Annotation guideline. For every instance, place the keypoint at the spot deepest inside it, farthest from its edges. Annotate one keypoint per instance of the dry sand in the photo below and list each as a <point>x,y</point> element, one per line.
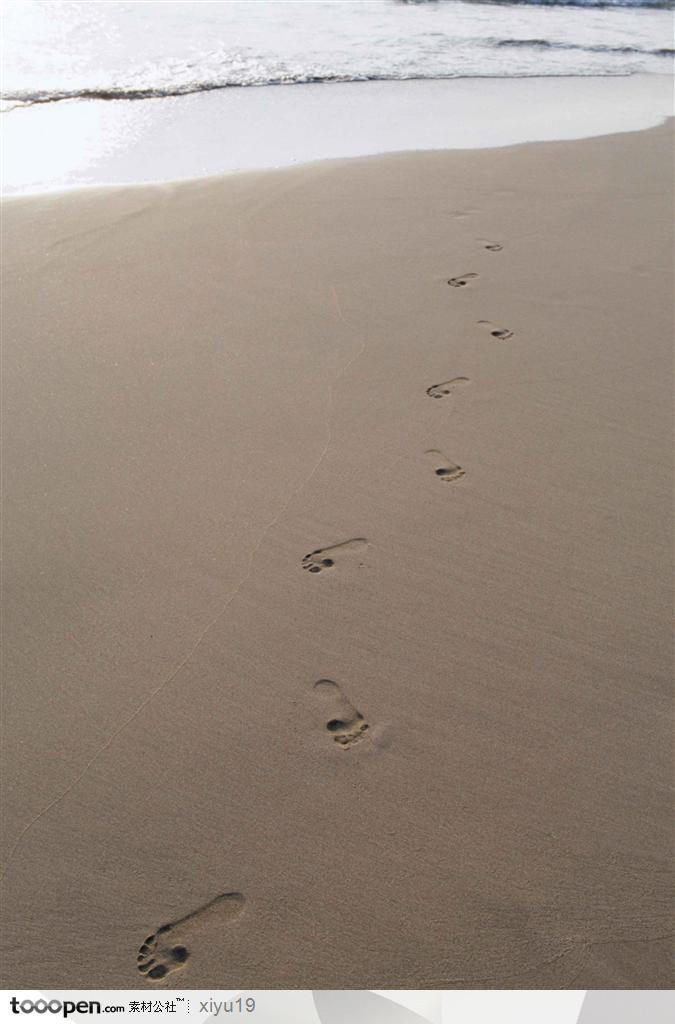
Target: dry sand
<point>213,390</point>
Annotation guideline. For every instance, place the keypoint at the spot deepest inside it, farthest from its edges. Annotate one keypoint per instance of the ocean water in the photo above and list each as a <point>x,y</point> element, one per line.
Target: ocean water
<point>55,50</point>
<point>129,91</point>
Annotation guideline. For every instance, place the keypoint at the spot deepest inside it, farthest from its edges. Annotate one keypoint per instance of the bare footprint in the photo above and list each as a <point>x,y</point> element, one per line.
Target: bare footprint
<point>445,469</point>
<point>447,387</point>
<point>165,951</point>
<point>343,721</point>
<point>503,333</point>
<point>462,280</point>
<point>491,246</point>
<point>327,558</point>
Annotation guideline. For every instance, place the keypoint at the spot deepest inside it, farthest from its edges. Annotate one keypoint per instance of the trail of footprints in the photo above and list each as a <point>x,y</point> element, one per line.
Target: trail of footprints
<point>168,949</point>
<point>444,468</point>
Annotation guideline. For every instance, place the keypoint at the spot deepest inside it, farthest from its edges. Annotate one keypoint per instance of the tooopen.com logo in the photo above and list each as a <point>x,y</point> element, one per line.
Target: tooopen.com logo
<point>64,1008</point>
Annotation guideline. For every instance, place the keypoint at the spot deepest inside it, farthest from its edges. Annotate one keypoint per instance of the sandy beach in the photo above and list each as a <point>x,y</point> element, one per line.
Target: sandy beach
<point>337,571</point>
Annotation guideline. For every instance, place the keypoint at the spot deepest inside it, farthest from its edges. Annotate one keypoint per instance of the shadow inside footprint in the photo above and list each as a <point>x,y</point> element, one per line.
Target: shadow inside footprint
<point>164,952</point>
<point>493,246</point>
<point>446,387</point>
<point>445,469</point>
<point>158,957</point>
<point>345,723</point>
<point>327,558</point>
<point>462,280</point>
<point>502,333</point>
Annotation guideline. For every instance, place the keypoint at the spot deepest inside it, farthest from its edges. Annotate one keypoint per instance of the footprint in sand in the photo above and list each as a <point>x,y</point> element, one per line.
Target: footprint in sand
<point>447,387</point>
<point>328,558</point>
<point>343,721</point>
<point>165,951</point>
<point>502,333</point>
<point>462,280</point>
<point>491,246</point>
<point>445,469</point>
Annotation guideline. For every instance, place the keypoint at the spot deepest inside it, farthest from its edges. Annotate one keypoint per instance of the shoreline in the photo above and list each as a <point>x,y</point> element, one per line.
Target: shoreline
<point>203,135</point>
<point>130,95</point>
<point>440,761</point>
<point>171,185</point>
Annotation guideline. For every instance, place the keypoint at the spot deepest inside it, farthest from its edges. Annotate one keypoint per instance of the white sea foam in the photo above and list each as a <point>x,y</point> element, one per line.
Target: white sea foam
<point>55,50</point>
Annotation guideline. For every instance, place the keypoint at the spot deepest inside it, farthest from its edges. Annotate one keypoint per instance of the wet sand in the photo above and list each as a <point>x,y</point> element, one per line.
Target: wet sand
<point>337,568</point>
